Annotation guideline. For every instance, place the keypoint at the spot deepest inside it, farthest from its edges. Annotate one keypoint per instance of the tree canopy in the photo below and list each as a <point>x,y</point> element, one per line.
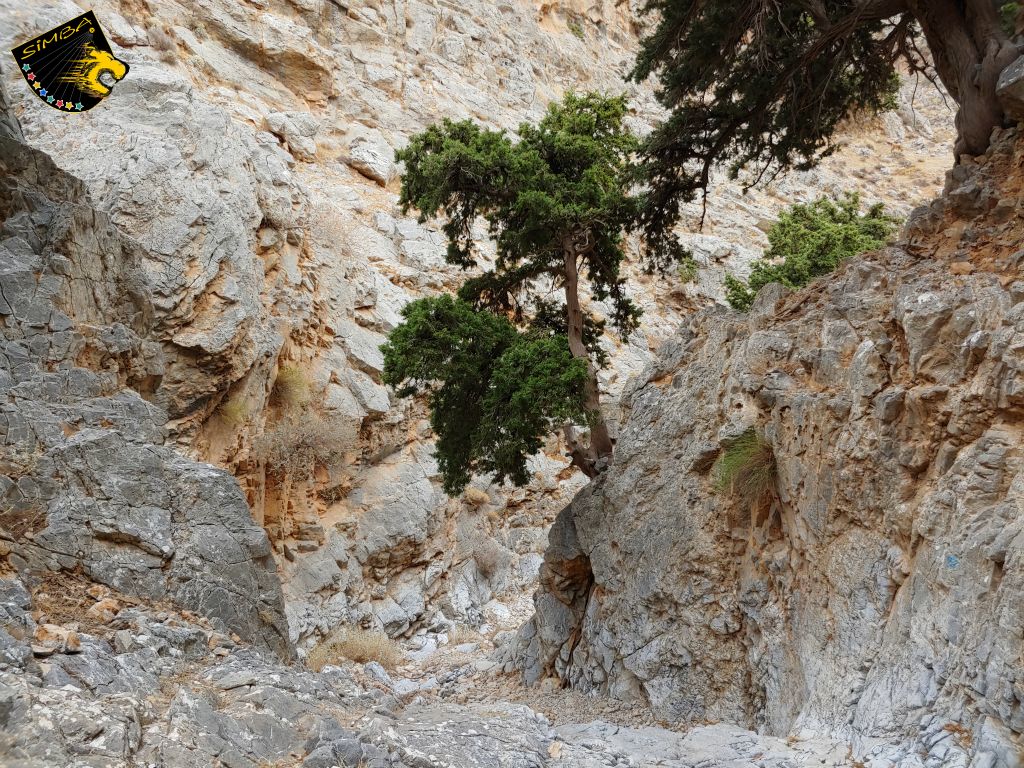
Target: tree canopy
<point>515,355</point>
<point>761,87</point>
<point>493,392</point>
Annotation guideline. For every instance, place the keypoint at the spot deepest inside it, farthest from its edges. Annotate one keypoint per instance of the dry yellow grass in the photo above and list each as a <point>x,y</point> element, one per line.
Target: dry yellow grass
<point>355,644</point>
<point>291,387</point>
<point>233,412</point>
<point>303,440</point>
<point>460,634</point>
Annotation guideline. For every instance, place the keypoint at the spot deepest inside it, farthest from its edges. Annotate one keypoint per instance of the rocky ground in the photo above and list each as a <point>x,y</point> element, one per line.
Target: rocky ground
<point>91,677</point>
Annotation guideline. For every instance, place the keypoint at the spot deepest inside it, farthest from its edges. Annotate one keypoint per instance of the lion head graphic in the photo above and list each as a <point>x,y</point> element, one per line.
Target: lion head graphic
<point>85,72</point>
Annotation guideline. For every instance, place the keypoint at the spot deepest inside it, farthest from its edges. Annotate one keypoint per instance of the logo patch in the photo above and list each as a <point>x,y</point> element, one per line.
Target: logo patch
<point>71,67</point>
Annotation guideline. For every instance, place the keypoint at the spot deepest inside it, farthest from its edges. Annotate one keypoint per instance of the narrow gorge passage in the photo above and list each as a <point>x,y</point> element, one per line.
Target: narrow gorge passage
<point>300,326</point>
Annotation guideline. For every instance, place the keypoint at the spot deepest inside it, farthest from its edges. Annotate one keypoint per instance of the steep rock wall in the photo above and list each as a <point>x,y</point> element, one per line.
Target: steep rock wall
<point>86,483</point>
<point>250,155</point>
<point>877,591</point>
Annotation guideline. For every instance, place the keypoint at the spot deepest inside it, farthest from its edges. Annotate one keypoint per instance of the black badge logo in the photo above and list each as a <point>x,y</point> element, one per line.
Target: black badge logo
<point>71,67</point>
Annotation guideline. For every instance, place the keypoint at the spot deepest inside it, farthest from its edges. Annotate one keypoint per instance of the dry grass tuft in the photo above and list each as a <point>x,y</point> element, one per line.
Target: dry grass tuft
<point>164,41</point>
<point>300,442</point>
<point>233,412</point>
<point>291,387</point>
<point>491,558</point>
<point>746,468</point>
<point>358,645</point>
<point>460,634</point>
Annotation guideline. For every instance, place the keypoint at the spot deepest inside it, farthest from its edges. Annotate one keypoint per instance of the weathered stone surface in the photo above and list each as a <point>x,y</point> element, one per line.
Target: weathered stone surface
<point>876,592</point>
<point>371,155</point>
<point>298,130</point>
<point>85,483</point>
<point>226,155</point>
<point>1010,89</point>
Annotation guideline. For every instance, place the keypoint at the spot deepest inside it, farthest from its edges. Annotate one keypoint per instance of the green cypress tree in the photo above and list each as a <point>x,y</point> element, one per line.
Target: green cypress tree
<point>513,363</point>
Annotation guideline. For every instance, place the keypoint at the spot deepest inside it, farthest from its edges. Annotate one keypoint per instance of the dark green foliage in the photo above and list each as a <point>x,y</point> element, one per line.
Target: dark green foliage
<point>563,178</point>
<point>759,88</point>
<point>812,240</point>
<point>494,392</point>
<point>687,270</point>
<point>1008,13</point>
<point>746,468</point>
<point>507,363</point>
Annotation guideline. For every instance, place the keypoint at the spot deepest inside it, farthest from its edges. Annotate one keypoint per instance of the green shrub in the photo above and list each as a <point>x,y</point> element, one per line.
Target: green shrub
<point>1008,16</point>
<point>746,468</point>
<point>687,270</point>
<point>809,241</point>
<point>576,28</point>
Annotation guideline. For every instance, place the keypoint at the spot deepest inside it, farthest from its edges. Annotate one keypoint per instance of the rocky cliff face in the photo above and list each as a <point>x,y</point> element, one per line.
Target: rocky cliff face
<point>196,277</point>
<point>249,159</point>
<point>875,591</point>
<point>87,484</point>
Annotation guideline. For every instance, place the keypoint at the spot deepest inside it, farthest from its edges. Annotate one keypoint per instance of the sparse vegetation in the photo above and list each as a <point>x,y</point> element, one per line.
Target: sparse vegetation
<point>165,43</point>
<point>746,468</point>
<point>576,28</point>
<point>490,556</point>
<point>460,634</point>
<point>334,494</point>
<point>291,387</point>
<point>687,270</point>
<point>811,240</point>
<point>233,412</point>
<point>302,440</point>
<point>358,645</point>
<point>1008,15</point>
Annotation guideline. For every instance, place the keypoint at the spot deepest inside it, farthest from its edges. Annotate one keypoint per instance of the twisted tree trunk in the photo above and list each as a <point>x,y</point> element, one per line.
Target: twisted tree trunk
<point>970,49</point>
<point>596,456</point>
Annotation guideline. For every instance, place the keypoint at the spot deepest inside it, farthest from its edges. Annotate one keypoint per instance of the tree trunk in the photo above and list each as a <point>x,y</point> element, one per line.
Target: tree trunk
<point>970,49</point>
<point>595,457</point>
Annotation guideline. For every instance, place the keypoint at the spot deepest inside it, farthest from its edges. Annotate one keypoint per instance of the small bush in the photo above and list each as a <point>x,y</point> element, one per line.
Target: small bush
<point>687,271</point>
<point>291,387</point>
<point>491,558</point>
<point>164,42</point>
<point>233,412</point>
<point>460,634</point>
<point>301,441</point>
<point>358,645</point>
<point>334,494</point>
<point>746,467</point>
<point>576,28</point>
<point>1008,13</point>
<point>809,241</point>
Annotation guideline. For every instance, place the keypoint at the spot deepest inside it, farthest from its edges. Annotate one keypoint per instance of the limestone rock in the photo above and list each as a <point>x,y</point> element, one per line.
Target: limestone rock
<point>1010,89</point>
<point>875,587</point>
<point>86,484</point>
<point>371,155</point>
<point>298,130</point>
